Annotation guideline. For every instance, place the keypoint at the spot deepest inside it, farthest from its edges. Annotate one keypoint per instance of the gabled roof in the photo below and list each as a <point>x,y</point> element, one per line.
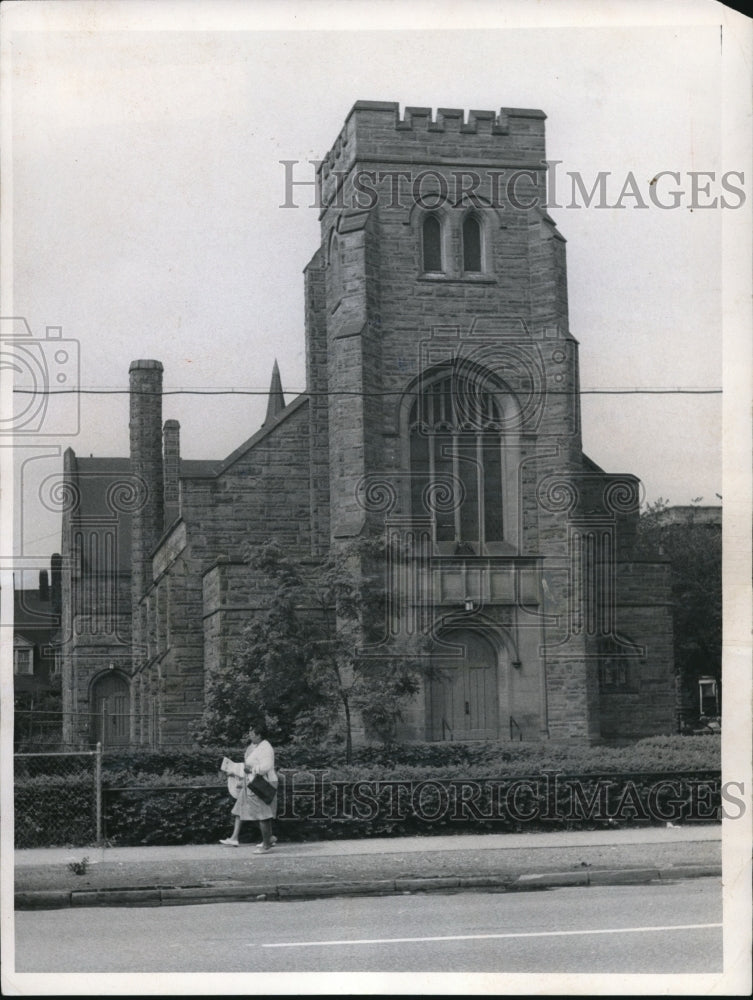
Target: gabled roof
<point>110,468</point>
<point>97,477</point>
<point>589,465</point>
<point>263,432</point>
<point>98,480</point>
<point>198,468</point>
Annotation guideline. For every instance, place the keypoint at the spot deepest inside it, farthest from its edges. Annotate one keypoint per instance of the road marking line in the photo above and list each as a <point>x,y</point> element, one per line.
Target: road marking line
<point>483,937</point>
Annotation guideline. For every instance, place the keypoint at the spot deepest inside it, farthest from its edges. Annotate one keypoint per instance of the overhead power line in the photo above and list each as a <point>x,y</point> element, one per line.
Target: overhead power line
<point>606,391</point>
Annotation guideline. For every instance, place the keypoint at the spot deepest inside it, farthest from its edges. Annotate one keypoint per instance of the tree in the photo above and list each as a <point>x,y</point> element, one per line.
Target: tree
<point>303,664</point>
<point>694,548</point>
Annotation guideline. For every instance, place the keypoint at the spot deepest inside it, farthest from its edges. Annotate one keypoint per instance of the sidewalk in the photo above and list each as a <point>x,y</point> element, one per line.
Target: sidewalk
<point>154,876</point>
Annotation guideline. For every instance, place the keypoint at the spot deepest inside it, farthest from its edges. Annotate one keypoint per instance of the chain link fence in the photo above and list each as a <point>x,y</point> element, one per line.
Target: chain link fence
<point>58,798</point>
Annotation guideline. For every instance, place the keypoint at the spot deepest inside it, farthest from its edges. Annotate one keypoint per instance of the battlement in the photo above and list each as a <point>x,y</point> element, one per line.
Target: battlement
<point>374,132</point>
<point>454,120</point>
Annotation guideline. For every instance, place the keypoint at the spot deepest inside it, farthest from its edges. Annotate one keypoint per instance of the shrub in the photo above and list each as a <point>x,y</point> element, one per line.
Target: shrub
<point>182,816</point>
<point>660,753</point>
<point>55,811</point>
<point>180,797</point>
<point>670,753</point>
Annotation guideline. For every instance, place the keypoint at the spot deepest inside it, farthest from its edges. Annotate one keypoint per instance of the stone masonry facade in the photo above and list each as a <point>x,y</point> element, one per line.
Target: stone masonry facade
<point>442,408</point>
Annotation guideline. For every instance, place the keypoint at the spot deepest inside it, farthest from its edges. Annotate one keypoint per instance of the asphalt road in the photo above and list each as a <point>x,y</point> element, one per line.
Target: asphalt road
<point>656,928</point>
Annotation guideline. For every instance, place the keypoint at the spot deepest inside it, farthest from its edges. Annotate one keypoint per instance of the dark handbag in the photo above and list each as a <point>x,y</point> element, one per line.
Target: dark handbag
<point>262,788</point>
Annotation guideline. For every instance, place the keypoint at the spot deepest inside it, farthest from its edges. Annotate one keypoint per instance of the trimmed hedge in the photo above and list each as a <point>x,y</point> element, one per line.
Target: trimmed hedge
<point>658,753</point>
<point>363,802</point>
<point>180,797</point>
<point>55,811</point>
<point>185,816</point>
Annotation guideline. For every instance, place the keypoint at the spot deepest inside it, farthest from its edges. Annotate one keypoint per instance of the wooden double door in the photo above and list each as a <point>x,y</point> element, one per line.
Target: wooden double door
<point>464,691</point>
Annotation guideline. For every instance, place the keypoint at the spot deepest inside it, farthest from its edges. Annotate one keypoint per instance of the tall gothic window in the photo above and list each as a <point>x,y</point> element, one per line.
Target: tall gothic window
<point>431,239</point>
<point>471,244</point>
<point>335,267</point>
<point>457,461</point>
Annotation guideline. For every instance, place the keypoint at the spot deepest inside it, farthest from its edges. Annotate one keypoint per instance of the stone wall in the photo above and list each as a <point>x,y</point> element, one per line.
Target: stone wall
<point>96,592</point>
<point>317,381</point>
<point>232,595</point>
<point>261,492</point>
<point>646,705</point>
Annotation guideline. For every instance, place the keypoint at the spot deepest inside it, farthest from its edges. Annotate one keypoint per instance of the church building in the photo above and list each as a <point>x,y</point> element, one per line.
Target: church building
<point>441,408</point>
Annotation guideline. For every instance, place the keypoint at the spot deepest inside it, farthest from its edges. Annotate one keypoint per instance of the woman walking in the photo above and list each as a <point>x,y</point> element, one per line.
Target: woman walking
<point>258,759</point>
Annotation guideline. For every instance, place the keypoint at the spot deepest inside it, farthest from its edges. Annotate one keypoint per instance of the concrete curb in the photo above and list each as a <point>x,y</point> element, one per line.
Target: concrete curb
<point>53,899</point>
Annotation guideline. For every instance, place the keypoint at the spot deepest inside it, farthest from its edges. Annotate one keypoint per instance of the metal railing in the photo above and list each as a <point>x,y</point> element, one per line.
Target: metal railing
<point>36,729</point>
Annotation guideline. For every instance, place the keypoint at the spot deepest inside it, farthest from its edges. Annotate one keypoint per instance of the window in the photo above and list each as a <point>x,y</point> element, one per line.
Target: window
<point>23,660</point>
<point>708,696</point>
<point>335,267</point>
<point>471,244</point>
<point>614,674</point>
<point>432,244</point>
<point>456,456</point>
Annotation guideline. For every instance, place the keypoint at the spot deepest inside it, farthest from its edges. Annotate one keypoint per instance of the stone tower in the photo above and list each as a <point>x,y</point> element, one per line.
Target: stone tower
<point>438,335</point>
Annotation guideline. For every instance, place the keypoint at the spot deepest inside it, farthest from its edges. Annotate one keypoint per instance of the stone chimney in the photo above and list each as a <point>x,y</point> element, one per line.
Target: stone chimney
<point>171,445</point>
<point>56,582</point>
<point>146,466</point>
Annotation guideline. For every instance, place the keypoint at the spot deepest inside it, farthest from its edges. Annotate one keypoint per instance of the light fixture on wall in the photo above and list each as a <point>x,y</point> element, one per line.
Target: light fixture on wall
<point>469,604</point>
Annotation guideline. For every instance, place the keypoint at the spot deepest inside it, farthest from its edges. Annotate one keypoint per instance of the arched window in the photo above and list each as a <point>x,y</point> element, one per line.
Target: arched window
<point>431,244</point>
<point>471,244</point>
<point>457,461</point>
<point>335,276</point>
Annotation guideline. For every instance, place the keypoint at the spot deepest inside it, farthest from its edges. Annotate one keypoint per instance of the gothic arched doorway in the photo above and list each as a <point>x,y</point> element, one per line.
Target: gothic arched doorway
<point>111,705</point>
<point>463,693</point>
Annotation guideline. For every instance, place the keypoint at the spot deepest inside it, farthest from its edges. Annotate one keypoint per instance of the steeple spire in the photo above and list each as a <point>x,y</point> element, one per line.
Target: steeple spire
<point>276,402</point>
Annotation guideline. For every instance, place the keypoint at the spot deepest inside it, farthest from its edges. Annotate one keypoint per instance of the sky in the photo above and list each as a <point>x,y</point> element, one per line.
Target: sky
<point>147,187</point>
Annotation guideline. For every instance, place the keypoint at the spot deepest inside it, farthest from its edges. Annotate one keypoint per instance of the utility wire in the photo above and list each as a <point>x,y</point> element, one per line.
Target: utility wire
<point>646,391</point>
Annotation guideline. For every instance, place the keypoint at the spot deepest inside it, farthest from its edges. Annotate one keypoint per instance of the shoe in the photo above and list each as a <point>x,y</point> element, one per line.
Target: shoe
<point>263,848</point>
<point>273,840</point>
<point>229,842</point>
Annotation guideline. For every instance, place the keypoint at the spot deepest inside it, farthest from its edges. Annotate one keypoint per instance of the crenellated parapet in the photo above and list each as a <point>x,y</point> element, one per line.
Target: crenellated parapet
<point>375,134</point>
